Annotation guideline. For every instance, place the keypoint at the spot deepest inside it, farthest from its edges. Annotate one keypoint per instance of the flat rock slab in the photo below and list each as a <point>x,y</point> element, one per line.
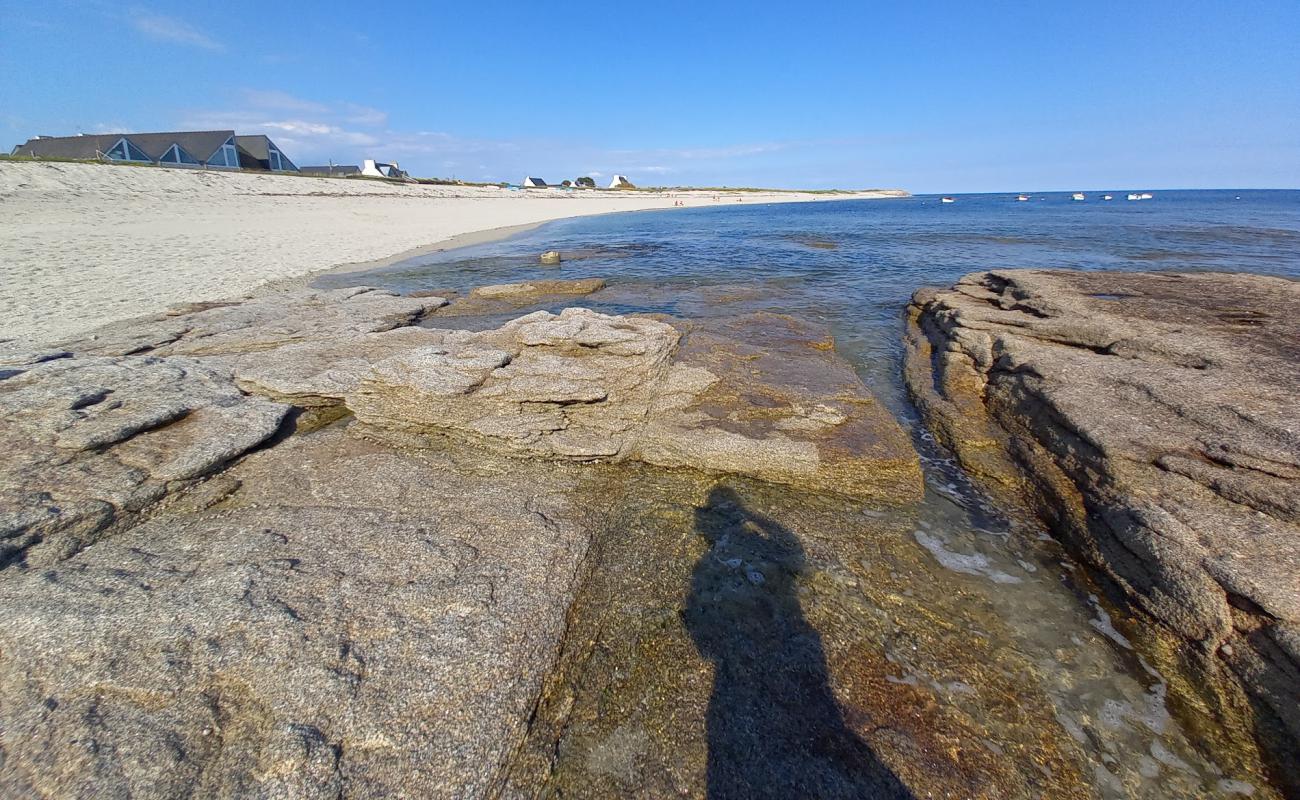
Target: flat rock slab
<point>1152,420</point>
<point>258,324</point>
<point>762,395</point>
<point>353,622</point>
<point>530,291</point>
<point>766,395</point>
<point>87,443</point>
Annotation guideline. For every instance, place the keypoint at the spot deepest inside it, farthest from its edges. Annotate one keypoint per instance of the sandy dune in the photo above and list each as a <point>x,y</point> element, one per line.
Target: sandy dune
<point>86,244</point>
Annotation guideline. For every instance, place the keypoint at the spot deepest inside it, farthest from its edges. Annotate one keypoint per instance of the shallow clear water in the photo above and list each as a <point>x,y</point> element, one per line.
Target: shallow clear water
<point>852,265</point>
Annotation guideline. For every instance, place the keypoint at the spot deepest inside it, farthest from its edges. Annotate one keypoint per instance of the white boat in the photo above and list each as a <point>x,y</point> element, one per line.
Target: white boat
<point>1107,197</point>
<point>1078,196</point>
<point>946,200</point>
<point>1134,196</point>
<point>1020,198</point>
<point>1146,196</point>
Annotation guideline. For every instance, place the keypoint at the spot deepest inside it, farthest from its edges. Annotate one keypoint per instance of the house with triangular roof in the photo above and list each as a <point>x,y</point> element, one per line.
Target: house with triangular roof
<point>196,149</point>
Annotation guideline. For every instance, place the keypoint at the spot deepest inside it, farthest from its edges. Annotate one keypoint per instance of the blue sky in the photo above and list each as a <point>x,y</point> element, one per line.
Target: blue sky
<point>928,96</point>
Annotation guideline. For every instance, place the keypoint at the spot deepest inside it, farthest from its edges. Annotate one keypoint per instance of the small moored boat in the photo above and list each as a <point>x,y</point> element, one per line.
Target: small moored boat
<point>947,200</point>
<point>1078,196</point>
<point>1020,198</point>
<point>1107,197</point>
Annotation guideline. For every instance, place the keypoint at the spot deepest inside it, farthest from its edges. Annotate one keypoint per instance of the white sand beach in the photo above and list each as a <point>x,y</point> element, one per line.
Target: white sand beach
<point>86,244</point>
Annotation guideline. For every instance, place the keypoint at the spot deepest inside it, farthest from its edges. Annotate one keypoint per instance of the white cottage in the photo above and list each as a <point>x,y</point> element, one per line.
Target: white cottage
<point>534,183</point>
<point>379,169</point>
<point>620,182</point>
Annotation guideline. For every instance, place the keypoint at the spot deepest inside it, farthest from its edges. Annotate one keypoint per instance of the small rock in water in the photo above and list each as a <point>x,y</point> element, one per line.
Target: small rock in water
<point>550,257</point>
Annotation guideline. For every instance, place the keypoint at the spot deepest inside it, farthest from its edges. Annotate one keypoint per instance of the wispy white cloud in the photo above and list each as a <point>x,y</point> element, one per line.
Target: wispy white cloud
<point>280,101</point>
<point>170,29</point>
<point>364,115</point>
<point>710,153</point>
<point>313,131</point>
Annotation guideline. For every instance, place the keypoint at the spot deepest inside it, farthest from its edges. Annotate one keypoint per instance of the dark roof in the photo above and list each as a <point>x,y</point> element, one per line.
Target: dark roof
<point>326,169</point>
<point>88,147</point>
<point>255,151</point>
<point>199,144</point>
<point>255,146</point>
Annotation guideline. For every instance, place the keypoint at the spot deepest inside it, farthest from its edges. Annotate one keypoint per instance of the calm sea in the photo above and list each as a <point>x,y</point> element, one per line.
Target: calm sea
<point>852,265</point>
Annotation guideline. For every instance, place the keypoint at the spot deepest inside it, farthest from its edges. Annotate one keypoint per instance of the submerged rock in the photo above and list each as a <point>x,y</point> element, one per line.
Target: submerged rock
<point>1151,420</point>
<point>550,258</point>
<point>527,292</point>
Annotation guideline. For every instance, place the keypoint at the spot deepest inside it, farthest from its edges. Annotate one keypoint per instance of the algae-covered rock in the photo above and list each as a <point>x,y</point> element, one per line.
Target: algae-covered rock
<point>1151,421</point>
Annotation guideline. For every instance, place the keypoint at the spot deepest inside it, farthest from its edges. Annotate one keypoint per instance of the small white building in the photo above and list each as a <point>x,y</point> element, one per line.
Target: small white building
<point>533,183</point>
<point>620,182</point>
<point>379,169</point>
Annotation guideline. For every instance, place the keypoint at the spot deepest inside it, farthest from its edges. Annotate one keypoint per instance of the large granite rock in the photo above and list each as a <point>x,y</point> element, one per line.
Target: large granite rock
<point>88,443</point>
<point>258,324</point>
<point>205,595</point>
<point>96,431</point>
<point>349,621</point>
<point>1152,421</point>
<point>762,395</point>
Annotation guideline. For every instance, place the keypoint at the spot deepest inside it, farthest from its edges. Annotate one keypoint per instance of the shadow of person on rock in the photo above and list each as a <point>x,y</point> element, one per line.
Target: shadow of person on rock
<point>775,729</point>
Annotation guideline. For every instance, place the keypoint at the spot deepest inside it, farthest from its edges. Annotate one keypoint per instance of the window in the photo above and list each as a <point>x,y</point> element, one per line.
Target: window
<point>278,162</point>
<point>125,151</point>
<point>225,155</point>
<point>175,155</point>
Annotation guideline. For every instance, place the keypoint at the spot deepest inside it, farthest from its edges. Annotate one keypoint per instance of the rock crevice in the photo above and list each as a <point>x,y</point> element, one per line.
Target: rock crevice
<point>1157,435</point>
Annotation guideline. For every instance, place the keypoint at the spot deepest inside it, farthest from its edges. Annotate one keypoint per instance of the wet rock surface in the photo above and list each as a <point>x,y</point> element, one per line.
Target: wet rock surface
<point>530,291</point>
<point>738,642</point>
<point>1151,420</point>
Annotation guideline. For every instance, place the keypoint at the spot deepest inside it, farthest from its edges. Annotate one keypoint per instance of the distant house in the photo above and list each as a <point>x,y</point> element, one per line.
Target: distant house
<point>534,183</point>
<point>378,169</point>
<point>259,152</point>
<point>195,149</point>
<point>620,182</point>
<point>332,170</point>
